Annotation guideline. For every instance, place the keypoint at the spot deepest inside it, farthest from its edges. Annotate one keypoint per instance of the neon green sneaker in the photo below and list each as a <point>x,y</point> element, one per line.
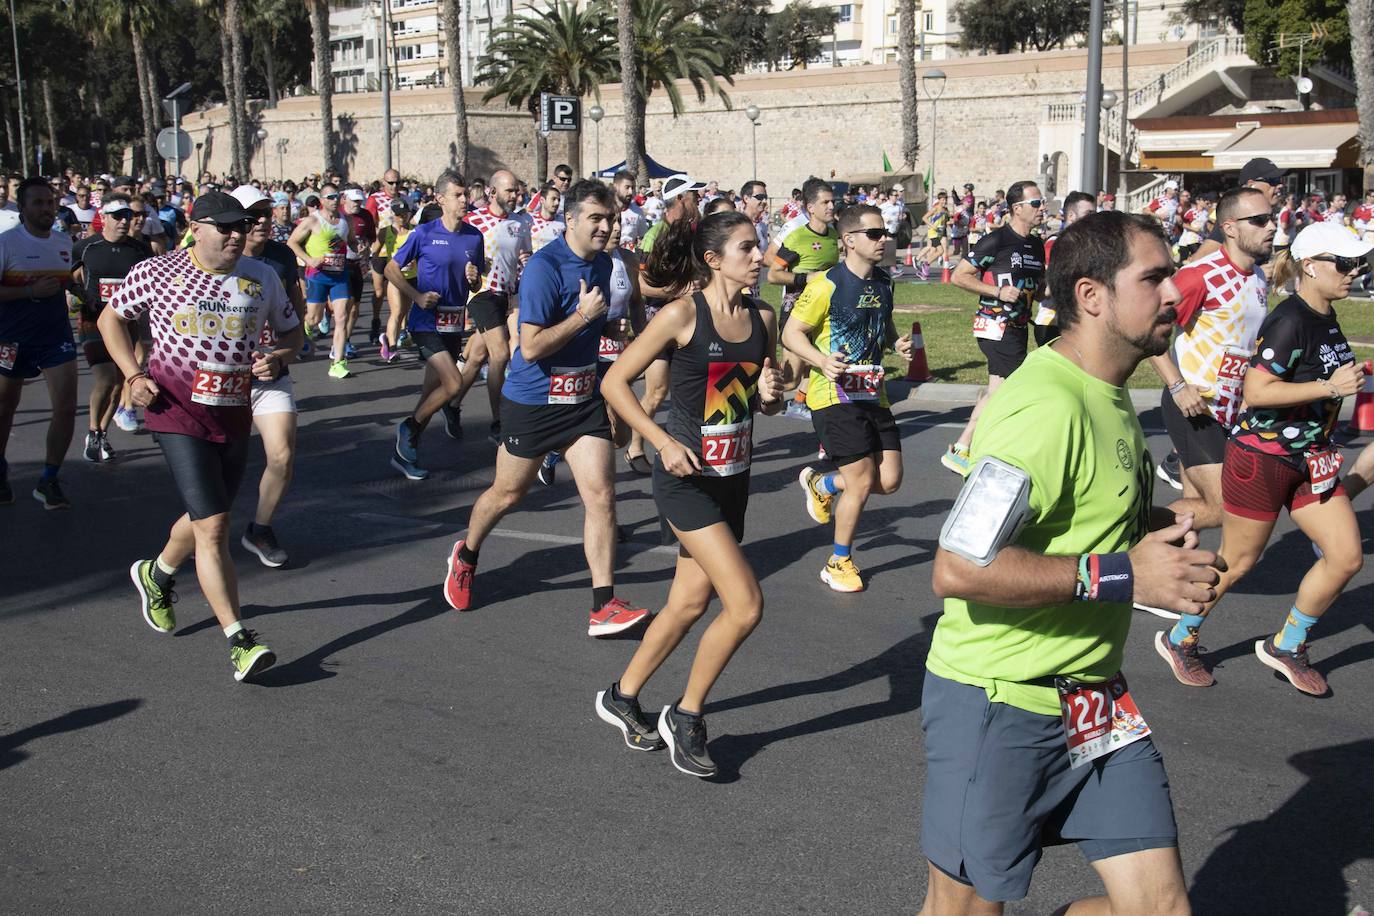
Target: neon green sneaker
<point>156,603</point>
<point>339,369</point>
<point>248,656</point>
<point>957,459</point>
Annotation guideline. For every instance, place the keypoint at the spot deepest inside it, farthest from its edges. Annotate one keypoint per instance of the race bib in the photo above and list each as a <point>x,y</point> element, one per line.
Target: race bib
<point>986,327</point>
<point>107,286</point>
<point>1230,385</point>
<point>333,262</point>
<point>726,447</point>
<point>609,350</point>
<point>1322,469</point>
<point>1098,718</point>
<point>448,320</point>
<point>861,383</point>
<point>571,385</point>
<point>1045,314</point>
<point>9,354</point>
<point>221,385</point>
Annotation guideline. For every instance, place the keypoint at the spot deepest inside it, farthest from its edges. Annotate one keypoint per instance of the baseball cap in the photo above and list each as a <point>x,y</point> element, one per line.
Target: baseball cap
<point>680,184</point>
<point>248,196</point>
<point>281,199</point>
<point>968,186</point>
<point>218,207</point>
<point>121,180</point>
<point>1261,169</point>
<point>1171,185</point>
<point>1328,238</point>
<point>355,194</point>
<point>114,206</point>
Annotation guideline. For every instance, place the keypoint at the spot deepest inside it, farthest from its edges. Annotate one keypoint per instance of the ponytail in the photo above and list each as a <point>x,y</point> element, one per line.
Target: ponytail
<point>678,258</point>
<point>1282,269</point>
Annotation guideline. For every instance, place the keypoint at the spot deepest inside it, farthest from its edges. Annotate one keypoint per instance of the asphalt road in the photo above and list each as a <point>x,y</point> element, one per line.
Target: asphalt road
<point>402,758</point>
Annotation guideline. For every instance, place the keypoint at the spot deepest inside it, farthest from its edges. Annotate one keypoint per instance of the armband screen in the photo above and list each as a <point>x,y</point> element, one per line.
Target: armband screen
<point>989,513</point>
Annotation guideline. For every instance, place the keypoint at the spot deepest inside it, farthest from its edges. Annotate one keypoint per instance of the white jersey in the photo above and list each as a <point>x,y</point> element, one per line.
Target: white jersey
<point>653,210</point>
<point>504,238</point>
<point>892,216</point>
<point>621,291</point>
<point>633,225</point>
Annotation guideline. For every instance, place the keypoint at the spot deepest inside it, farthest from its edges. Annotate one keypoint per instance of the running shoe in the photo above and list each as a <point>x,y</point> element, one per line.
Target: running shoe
<point>686,738</point>
<point>957,459</point>
<point>1184,661</point>
<point>548,469</point>
<point>629,718</point>
<point>6,492</point>
<point>924,270</point>
<point>410,469</point>
<point>248,656</point>
<point>494,434</point>
<point>388,354</point>
<point>408,441</point>
<point>458,582</point>
<point>615,616</point>
<point>339,369</point>
<point>126,419</point>
<point>798,410</point>
<point>350,351</point>
<point>91,451</point>
<point>1170,471</point>
<point>107,452</point>
<point>155,603</point>
<point>821,454</point>
<point>375,329</point>
<point>842,575</point>
<point>403,339</point>
<point>325,325</point>
<point>639,464</point>
<point>819,504</point>
<point>307,348</point>
<point>453,421</point>
<point>262,541</point>
<point>49,493</point>
<point>1292,665</point>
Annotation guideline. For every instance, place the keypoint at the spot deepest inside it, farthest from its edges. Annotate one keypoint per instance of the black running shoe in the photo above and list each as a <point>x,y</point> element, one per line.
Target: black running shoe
<point>1170,471</point>
<point>453,421</point>
<point>548,469</point>
<point>629,718</point>
<point>494,434</point>
<point>49,493</point>
<point>261,541</point>
<point>686,737</point>
<point>91,451</point>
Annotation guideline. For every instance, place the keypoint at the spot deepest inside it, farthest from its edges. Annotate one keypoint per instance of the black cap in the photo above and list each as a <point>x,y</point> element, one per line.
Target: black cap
<point>1261,170</point>
<point>121,180</point>
<point>218,207</point>
<point>968,186</point>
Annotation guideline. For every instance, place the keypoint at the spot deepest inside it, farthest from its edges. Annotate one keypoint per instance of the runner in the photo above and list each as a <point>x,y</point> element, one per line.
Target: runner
<point>208,306</point>
<point>560,179</point>
<point>546,225</point>
<point>805,246</point>
<point>841,325</point>
<point>633,222</point>
<point>552,402</point>
<point>1076,206</point>
<point>506,237</point>
<point>363,234</point>
<point>1262,175</point>
<point>391,235</point>
<point>754,196</point>
<point>35,334</point>
<point>1057,511</point>
<point>449,259</point>
<point>321,241</point>
<point>1280,456</point>
<point>100,263</point>
<point>1007,271</point>
<point>1224,299</point>
<point>680,196</point>
<point>274,402</point>
<point>935,220</point>
<point>722,372</point>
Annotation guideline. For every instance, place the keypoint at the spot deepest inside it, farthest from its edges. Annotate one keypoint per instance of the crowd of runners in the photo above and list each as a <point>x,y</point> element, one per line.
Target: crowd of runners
<point>193,307</point>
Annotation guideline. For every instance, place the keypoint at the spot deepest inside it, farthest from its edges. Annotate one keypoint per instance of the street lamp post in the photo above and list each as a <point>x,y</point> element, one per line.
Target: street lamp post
<point>596,113</point>
<point>281,152</point>
<point>262,144</point>
<point>1108,103</point>
<point>934,83</point>
<point>396,126</point>
<point>386,80</point>
<point>752,113</point>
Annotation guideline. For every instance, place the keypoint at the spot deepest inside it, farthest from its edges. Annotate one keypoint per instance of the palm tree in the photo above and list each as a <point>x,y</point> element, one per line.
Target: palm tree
<point>324,77</point>
<point>233,26</point>
<point>632,104</point>
<point>564,49</point>
<point>102,19</point>
<point>906,72</point>
<point>1362,56</point>
<point>267,20</point>
<point>453,47</point>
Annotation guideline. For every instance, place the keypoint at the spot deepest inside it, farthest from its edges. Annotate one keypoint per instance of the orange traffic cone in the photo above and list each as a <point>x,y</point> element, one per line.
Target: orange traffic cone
<point>944,275</point>
<point>1362,420</point>
<point>918,370</point>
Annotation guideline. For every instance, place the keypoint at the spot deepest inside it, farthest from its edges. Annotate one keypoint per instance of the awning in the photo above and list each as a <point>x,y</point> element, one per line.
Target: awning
<point>655,170</point>
<point>1314,146</point>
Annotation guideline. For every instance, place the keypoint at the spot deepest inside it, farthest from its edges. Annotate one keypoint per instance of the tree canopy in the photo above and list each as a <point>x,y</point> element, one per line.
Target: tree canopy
<point>1004,26</point>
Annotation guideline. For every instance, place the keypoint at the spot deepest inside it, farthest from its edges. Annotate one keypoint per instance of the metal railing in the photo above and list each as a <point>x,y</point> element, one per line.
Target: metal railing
<point>1202,55</point>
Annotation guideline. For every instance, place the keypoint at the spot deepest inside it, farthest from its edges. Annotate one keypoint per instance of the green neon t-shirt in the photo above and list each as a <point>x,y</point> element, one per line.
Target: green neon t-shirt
<point>1091,491</point>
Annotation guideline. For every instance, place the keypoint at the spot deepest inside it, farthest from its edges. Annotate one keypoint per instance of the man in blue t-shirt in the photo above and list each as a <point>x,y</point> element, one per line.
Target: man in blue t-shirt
<point>551,401</point>
<point>449,262</point>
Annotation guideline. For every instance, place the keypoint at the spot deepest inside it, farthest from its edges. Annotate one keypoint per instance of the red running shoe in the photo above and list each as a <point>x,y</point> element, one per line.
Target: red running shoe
<point>458,582</point>
<point>1292,665</point>
<point>614,616</point>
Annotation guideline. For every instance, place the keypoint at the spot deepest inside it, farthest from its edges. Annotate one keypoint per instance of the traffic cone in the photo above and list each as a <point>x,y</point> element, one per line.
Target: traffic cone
<point>944,275</point>
<point>1362,420</point>
<point>918,370</point>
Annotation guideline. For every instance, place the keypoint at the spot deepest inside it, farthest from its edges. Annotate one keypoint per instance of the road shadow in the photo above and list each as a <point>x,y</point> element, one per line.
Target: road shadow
<point>903,665</point>
<point>72,721</point>
<point>1320,831</point>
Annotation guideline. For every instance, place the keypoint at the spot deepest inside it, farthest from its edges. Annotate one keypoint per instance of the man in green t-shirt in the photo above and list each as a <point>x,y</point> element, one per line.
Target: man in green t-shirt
<point>1039,562</point>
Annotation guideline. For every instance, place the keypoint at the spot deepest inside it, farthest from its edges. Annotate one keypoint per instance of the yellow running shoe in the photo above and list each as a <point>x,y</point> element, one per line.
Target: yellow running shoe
<point>818,502</point>
<point>842,575</point>
<point>957,459</point>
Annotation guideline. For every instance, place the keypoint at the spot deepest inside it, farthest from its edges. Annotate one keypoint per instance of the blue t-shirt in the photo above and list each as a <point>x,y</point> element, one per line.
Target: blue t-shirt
<point>441,258</point>
<point>549,293</point>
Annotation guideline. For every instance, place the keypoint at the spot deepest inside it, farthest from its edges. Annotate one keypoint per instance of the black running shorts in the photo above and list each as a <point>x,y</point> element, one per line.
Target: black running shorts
<point>850,432</point>
<point>207,474</point>
<point>534,430</point>
<point>489,309</point>
<point>1200,440</point>
<point>431,343</point>
<point>693,503</point>
<point>1005,356</point>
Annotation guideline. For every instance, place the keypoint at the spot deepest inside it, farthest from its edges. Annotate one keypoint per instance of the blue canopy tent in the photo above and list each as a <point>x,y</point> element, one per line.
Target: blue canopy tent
<point>655,170</point>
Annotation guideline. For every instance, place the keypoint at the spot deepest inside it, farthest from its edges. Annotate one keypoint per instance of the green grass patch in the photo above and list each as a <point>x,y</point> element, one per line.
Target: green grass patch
<point>946,316</point>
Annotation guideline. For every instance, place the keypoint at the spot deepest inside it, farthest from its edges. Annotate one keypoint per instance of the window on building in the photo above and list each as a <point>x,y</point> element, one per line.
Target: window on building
<point>892,25</point>
<point>370,49</point>
<point>846,12</point>
<point>928,22</point>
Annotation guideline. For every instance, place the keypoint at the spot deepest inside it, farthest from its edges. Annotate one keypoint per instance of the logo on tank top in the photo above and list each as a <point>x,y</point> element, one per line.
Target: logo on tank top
<point>714,349</point>
<point>729,388</point>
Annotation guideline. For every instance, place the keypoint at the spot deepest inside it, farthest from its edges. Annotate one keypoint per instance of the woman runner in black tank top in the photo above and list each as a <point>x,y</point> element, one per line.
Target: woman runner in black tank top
<point>724,345</point>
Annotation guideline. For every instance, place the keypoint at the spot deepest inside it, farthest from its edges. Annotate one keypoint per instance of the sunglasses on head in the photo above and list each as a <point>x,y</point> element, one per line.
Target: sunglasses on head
<point>243,226</point>
<point>876,234</point>
<point>1343,264</point>
<point>1259,220</point>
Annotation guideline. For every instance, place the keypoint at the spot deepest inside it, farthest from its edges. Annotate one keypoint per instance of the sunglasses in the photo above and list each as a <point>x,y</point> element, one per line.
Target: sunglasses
<point>390,182</point>
<point>331,197</point>
<point>1036,202</point>
<point>1343,264</point>
<point>873,235</point>
<point>1259,220</point>
<point>241,226</point>
<point>763,198</point>
<point>121,215</point>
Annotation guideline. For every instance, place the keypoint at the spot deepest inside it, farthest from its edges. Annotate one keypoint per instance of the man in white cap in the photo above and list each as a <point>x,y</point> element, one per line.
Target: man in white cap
<point>1165,207</point>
